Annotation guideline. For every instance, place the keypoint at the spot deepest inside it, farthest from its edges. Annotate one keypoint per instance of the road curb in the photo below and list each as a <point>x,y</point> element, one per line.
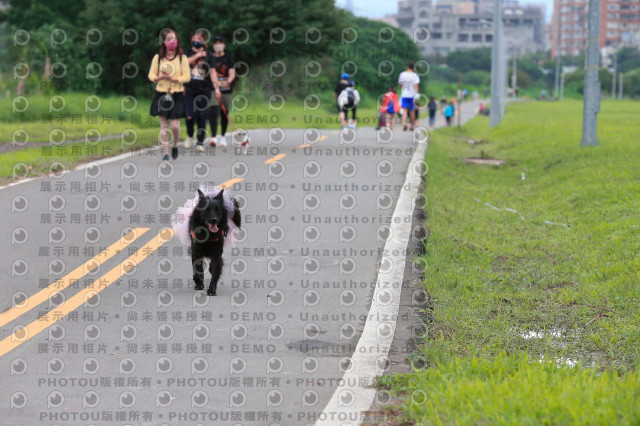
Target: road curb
<point>355,393</point>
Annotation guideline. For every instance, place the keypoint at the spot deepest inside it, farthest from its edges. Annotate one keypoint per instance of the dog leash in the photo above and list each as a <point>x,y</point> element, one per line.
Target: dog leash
<point>229,118</point>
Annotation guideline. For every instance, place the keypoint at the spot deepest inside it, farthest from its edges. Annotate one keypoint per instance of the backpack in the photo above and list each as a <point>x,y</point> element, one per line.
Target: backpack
<point>448,111</point>
<point>350,100</point>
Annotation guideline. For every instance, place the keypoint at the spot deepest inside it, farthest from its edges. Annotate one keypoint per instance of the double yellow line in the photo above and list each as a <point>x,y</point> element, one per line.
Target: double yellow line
<point>35,327</point>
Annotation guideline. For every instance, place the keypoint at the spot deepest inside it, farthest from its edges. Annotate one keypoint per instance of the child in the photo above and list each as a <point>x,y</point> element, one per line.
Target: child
<point>390,106</point>
<point>448,113</point>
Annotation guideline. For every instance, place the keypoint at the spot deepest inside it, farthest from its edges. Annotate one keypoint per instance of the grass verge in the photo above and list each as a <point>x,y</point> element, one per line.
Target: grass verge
<point>69,120</point>
<point>519,271</point>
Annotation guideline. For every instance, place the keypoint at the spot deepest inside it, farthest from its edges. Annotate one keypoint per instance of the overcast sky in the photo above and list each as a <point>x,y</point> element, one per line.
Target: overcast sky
<point>380,8</point>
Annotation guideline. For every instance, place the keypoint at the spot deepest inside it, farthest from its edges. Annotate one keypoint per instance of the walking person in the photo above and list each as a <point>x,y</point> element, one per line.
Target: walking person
<point>409,81</point>
<point>170,71</point>
<point>448,113</point>
<point>197,96</point>
<point>340,86</point>
<point>225,70</point>
<point>433,107</point>
<point>390,106</point>
<point>348,101</point>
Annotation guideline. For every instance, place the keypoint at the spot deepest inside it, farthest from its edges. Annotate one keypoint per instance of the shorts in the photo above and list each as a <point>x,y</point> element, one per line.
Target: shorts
<point>408,103</point>
<point>226,98</point>
<point>346,112</point>
<point>170,109</point>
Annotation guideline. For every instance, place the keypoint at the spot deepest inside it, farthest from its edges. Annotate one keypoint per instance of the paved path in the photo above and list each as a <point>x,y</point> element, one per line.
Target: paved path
<point>139,345</point>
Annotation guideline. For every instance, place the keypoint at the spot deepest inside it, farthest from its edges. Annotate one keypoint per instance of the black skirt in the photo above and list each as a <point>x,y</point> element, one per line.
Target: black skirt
<point>168,108</point>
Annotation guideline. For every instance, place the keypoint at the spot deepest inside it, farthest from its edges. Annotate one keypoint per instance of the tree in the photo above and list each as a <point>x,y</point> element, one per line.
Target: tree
<point>246,26</point>
<point>628,59</point>
<point>470,60</point>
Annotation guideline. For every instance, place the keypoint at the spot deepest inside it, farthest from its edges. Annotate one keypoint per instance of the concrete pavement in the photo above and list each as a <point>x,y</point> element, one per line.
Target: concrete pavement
<point>139,345</point>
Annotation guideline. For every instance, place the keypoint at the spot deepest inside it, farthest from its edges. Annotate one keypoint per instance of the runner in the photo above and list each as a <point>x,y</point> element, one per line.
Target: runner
<point>409,81</point>
<point>342,84</point>
<point>348,101</point>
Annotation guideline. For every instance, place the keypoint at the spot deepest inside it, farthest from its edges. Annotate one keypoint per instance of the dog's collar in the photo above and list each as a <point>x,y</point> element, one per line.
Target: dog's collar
<point>211,235</point>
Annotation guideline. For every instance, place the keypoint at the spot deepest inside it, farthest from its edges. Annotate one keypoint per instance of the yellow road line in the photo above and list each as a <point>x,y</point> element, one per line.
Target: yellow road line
<point>304,145</point>
<point>42,323</point>
<point>323,137</point>
<point>335,132</point>
<point>230,182</point>
<point>64,282</point>
<point>275,158</point>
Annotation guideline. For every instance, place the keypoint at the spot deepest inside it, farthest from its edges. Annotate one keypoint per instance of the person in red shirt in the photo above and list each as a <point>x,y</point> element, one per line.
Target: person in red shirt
<point>390,106</point>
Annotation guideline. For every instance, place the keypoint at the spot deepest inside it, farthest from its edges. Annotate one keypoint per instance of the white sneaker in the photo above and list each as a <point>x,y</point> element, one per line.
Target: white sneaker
<point>223,141</point>
<point>188,142</point>
<point>200,148</point>
<point>213,141</point>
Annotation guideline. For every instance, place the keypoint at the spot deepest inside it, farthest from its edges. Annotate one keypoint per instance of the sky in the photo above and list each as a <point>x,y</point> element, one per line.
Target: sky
<point>380,8</point>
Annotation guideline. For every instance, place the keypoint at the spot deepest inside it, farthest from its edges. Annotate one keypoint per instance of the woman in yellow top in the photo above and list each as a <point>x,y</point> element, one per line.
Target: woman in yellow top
<point>170,70</point>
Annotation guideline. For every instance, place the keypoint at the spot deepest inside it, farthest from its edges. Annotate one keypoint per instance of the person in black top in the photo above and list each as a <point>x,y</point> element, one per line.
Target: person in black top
<point>342,84</point>
<point>226,74</point>
<point>433,107</point>
<point>198,90</point>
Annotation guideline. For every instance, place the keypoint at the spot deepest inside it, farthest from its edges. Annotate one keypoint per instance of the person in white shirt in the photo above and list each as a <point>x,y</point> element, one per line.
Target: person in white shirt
<point>348,101</point>
<point>409,82</point>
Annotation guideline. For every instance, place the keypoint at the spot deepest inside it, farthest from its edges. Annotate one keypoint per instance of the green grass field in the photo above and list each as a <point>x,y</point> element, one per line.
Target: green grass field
<point>116,116</point>
<point>519,271</point>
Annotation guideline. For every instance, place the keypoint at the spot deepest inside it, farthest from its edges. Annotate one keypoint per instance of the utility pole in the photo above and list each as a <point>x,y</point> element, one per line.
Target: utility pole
<point>557,77</point>
<point>591,103</point>
<point>459,98</point>
<point>514,74</point>
<point>496,83</point>
<point>561,86</point>
<point>613,76</point>
<point>620,88</point>
<point>504,71</point>
<point>558,45</point>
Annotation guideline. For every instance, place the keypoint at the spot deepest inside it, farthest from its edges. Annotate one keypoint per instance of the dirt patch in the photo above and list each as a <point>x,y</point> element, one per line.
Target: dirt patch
<point>477,141</point>
<point>387,417</point>
<point>484,161</point>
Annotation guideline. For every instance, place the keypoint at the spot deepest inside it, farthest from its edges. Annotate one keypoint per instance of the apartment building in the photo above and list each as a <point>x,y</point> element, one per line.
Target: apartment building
<point>619,25</point>
<point>464,24</point>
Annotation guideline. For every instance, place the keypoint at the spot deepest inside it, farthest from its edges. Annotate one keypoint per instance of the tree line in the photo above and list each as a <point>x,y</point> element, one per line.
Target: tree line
<point>106,46</point>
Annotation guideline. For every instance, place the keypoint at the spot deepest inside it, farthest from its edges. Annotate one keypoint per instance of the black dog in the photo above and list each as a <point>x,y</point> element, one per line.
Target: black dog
<point>208,228</point>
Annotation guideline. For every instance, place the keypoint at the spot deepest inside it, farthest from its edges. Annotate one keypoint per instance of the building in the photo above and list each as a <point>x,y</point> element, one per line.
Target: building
<point>464,24</point>
<point>619,25</point>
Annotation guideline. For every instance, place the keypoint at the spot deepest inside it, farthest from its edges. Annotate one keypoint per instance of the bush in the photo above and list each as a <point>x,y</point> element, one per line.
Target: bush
<point>477,78</point>
<point>443,73</point>
<point>575,81</point>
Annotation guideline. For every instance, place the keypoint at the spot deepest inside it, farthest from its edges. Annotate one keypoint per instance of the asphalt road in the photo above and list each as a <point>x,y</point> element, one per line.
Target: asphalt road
<point>99,321</point>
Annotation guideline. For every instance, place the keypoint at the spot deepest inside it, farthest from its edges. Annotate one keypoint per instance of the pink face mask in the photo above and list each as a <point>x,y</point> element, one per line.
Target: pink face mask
<point>171,44</point>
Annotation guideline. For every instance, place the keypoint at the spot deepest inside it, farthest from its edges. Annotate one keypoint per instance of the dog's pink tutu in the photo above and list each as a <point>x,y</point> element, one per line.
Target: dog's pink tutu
<point>180,219</point>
